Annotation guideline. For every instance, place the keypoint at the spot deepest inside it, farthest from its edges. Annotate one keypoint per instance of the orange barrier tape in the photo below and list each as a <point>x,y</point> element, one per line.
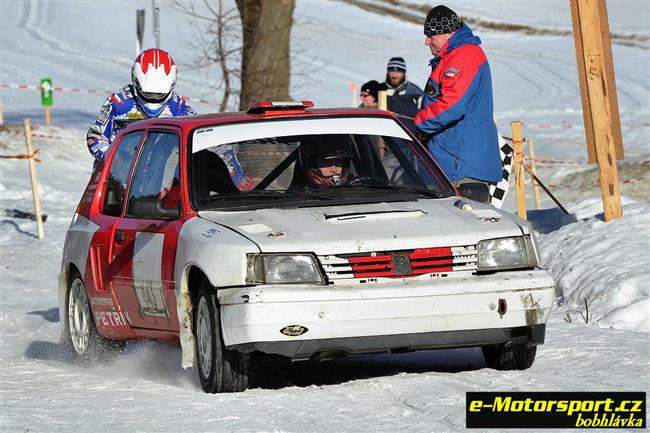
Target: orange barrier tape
<point>23,156</point>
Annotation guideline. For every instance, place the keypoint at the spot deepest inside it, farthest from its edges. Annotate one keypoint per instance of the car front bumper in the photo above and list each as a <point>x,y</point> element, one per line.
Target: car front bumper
<point>404,315</point>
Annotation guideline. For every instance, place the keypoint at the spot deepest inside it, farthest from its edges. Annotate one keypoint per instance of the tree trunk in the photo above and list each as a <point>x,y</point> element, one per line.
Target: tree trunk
<point>266,61</point>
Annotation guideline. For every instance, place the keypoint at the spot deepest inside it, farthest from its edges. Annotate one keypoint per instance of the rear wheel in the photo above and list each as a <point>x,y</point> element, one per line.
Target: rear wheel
<point>83,337</point>
<point>220,369</point>
<point>510,356</point>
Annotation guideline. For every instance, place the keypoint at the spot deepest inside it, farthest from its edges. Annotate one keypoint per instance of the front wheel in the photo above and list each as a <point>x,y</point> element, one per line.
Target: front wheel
<point>509,357</point>
<point>220,369</point>
<point>83,337</point>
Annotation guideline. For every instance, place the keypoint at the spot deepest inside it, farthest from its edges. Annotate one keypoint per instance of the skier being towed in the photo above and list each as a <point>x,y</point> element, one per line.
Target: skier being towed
<point>150,95</point>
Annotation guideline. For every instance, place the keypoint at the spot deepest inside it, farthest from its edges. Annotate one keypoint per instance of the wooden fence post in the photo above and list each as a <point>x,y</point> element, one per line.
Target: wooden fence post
<point>531,153</point>
<point>382,100</point>
<point>517,141</point>
<point>596,72</point>
<point>32,175</point>
<point>48,115</point>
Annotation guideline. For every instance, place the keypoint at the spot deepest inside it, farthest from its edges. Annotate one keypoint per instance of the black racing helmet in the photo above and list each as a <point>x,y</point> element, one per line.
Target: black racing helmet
<point>323,151</point>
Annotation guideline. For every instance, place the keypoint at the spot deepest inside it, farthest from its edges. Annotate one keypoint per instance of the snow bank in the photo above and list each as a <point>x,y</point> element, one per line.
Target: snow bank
<point>604,263</point>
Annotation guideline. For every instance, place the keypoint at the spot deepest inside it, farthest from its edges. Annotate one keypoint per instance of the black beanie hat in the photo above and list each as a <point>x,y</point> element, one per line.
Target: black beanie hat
<point>441,20</point>
<point>371,87</point>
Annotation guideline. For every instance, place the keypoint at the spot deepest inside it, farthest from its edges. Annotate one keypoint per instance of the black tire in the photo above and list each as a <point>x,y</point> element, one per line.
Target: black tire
<point>509,357</point>
<point>220,369</point>
<point>82,337</point>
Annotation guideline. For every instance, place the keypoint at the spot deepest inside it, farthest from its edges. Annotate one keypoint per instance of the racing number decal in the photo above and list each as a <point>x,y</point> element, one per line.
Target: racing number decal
<point>147,275</point>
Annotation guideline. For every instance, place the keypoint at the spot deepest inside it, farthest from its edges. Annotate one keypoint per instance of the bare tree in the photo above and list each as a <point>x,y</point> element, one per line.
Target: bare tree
<point>266,60</point>
<point>216,41</point>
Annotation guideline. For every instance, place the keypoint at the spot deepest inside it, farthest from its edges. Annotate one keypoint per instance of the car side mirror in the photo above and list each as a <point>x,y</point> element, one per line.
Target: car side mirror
<point>147,207</point>
<point>476,191</point>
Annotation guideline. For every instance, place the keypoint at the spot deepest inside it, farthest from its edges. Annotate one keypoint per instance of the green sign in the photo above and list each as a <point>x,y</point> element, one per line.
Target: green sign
<point>47,90</point>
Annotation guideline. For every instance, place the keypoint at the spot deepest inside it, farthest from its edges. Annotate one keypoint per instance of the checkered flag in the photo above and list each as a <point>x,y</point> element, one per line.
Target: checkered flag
<point>498,191</point>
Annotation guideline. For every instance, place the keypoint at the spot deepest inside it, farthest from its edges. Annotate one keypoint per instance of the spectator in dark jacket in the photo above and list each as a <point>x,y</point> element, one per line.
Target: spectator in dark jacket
<point>403,96</point>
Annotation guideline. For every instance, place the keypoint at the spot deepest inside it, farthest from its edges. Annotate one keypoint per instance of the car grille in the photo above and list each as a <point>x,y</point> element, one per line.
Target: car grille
<point>400,264</point>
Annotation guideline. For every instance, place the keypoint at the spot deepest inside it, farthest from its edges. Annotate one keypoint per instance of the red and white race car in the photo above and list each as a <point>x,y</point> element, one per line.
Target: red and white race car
<point>346,239</point>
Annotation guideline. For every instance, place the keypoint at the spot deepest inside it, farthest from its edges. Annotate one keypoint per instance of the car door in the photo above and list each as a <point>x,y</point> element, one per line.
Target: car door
<point>110,210</point>
<point>108,316</point>
<point>146,237</point>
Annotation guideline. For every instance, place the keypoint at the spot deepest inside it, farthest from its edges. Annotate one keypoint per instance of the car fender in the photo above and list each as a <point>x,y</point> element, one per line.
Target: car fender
<point>220,254</point>
<point>75,253</point>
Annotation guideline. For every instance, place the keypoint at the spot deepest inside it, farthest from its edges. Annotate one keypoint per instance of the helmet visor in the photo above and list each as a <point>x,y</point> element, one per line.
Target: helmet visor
<point>153,97</point>
<point>329,161</point>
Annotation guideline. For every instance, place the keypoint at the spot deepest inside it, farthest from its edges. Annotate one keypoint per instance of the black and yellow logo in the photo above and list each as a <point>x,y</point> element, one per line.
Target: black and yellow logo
<point>293,330</point>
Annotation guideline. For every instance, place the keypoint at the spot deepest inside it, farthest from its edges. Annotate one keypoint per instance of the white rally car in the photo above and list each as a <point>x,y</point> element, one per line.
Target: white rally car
<point>293,231</point>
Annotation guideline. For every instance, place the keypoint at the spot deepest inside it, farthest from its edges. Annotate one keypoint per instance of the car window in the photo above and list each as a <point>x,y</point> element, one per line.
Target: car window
<point>118,175</point>
<point>156,179</point>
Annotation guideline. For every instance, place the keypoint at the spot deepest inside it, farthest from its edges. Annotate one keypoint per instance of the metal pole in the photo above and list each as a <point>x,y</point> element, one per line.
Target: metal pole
<point>139,30</point>
<point>156,23</point>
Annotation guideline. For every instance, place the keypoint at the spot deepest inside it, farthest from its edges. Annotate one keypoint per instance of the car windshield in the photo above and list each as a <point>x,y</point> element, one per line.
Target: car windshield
<point>311,169</point>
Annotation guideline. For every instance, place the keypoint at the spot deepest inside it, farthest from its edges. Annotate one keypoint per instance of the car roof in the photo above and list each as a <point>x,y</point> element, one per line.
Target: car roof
<point>190,122</point>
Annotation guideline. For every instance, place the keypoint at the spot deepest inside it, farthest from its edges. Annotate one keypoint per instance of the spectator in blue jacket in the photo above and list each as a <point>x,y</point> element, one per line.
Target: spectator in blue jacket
<point>457,107</point>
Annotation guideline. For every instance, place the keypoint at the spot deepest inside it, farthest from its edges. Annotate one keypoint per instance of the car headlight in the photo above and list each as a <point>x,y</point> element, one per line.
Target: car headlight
<point>506,253</point>
<point>283,269</point>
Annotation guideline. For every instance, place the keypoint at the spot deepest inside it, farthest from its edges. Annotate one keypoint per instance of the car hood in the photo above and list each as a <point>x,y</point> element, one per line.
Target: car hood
<point>368,227</point>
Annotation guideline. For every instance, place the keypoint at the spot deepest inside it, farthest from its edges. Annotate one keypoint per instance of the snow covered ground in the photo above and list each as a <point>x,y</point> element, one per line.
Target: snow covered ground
<point>90,45</point>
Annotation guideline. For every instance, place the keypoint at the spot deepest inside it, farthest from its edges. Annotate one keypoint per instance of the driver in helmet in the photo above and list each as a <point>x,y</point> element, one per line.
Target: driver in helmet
<point>326,162</point>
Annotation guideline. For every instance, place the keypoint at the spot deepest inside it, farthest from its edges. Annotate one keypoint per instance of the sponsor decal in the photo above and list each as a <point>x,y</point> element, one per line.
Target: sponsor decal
<point>293,330</point>
<point>104,113</point>
<point>488,219</point>
<point>451,72</point>
<point>536,410</point>
<point>134,115</point>
<point>210,233</point>
<point>101,300</point>
<point>151,299</point>
<point>110,318</point>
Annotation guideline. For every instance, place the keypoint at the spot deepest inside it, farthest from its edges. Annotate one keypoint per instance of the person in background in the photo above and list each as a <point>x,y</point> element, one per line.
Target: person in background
<point>369,94</point>
<point>403,96</point>
<point>151,94</point>
<point>457,106</point>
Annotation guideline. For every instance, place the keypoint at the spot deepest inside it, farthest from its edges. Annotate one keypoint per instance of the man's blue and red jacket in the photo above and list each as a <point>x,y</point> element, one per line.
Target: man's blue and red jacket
<point>457,110</point>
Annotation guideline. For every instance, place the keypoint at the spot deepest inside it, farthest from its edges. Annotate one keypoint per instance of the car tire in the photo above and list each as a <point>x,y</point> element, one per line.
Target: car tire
<point>510,356</point>
<point>220,369</point>
<point>83,339</point>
